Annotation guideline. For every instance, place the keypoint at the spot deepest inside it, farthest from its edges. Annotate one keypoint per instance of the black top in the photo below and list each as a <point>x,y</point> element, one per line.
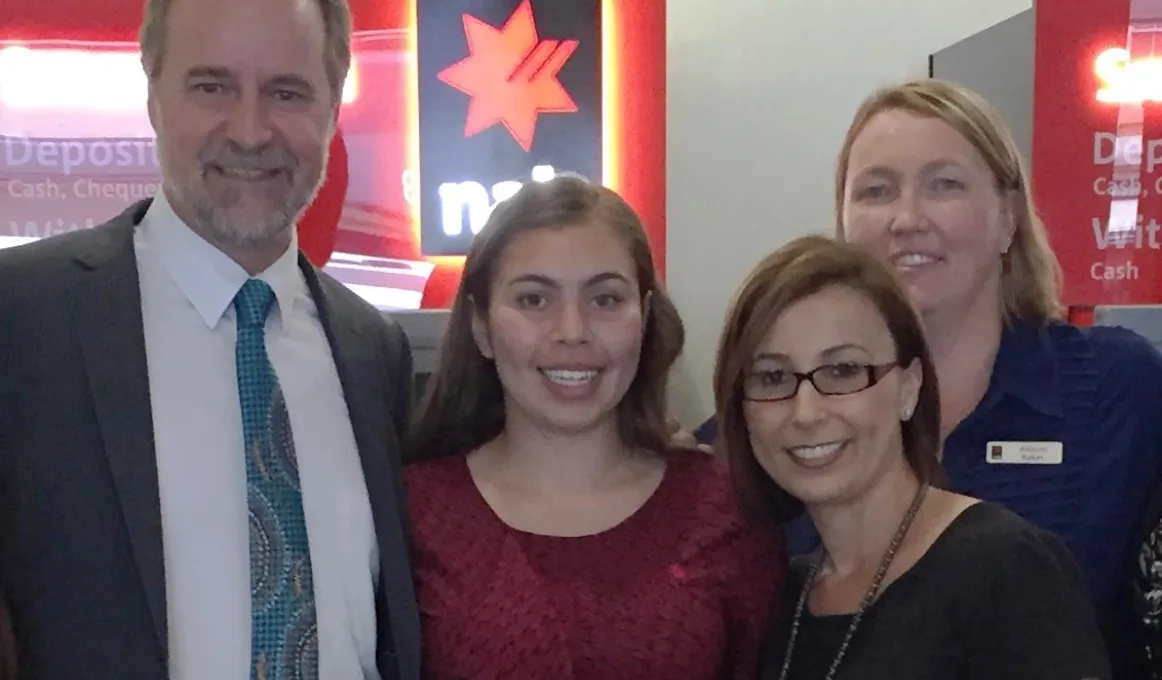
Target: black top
<point>994,598</point>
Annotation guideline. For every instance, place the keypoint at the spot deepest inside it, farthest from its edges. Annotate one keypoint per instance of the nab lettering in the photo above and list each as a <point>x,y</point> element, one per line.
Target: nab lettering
<point>470,199</point>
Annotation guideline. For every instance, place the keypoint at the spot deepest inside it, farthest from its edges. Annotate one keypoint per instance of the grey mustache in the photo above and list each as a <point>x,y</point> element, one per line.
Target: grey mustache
<point>263,159</point>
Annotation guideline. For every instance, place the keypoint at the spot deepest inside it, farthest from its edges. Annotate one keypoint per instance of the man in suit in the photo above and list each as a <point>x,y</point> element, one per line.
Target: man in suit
<point>199,474</point>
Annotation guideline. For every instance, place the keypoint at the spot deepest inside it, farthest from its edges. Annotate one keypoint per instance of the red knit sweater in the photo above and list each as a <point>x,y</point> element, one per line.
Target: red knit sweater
<point>679,590</point>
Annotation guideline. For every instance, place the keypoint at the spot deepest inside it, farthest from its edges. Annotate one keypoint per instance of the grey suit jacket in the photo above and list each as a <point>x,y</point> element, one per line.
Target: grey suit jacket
<point>80,523</point>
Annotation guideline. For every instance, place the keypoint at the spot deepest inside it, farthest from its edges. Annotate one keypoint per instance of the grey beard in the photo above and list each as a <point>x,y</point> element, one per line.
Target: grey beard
<point>217,224</point>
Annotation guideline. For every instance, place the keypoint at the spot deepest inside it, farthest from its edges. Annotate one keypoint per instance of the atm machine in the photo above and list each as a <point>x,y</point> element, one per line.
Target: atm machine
<point>999,63</point>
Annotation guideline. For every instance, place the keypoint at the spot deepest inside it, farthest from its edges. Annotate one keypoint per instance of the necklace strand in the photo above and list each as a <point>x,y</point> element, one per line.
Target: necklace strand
<point>868,597</point>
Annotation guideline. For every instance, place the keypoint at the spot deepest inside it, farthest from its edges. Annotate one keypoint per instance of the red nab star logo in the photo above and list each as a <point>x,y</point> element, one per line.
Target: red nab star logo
<point>511,75</point>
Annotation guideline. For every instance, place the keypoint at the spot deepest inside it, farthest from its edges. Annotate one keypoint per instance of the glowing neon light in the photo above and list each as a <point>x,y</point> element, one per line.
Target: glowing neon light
<point>1126,81</point>
<point>84,80</point>
<point>612,136</point>
<point>458,197</point>
<point>611,96</point>
<point>511,74</point>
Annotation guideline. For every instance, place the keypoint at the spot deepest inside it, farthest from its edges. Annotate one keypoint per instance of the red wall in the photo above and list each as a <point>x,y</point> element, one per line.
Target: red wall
<point>1074,169</point>
<point>637,92</point>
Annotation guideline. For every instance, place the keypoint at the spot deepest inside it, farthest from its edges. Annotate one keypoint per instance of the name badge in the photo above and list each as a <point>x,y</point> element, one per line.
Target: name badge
<point>1024,453</point>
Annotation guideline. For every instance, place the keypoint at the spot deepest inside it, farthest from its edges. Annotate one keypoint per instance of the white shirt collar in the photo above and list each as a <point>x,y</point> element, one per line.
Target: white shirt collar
<point>208,277</point>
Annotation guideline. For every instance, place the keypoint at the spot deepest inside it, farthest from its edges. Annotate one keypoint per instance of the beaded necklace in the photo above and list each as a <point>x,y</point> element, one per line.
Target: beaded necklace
<point>868,597</point>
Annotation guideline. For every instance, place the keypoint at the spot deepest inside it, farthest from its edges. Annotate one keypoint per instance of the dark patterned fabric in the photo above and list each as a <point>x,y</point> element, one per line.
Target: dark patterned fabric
<point>1148,600</point>
<point>284,635</point>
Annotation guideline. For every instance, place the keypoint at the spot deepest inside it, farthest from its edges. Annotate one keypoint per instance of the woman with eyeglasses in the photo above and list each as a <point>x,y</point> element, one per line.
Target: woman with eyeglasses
<point>828,403</point>
<point>930,181</point>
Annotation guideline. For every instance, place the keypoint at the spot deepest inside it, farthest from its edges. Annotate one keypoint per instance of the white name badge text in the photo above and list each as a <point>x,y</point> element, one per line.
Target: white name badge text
<point>1024,453</point>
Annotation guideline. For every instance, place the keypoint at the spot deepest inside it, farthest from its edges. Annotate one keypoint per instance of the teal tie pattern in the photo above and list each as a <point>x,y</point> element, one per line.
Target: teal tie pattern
<point>284,635</point>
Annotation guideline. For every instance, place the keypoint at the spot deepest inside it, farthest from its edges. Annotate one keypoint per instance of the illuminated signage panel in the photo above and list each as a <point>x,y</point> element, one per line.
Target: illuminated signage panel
<point>509,92</point>
<point>1097,147</point>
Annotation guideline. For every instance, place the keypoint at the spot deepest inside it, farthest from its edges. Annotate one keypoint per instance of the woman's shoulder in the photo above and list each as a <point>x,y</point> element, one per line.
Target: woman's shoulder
<point>433,471</point>
<point>1106,373</point>
<point>699,476</point>
<point>992,526</point>
<point>433,486</point>
<point>982,537</point>
<point>695,490</point>
<point>703,521</point>
<point>1112,346</point>
<point>701,505</point>
<point>990,541</point>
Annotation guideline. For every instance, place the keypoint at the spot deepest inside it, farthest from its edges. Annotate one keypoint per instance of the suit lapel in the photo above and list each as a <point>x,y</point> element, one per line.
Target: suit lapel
<point>361,373</point>
<point>112,338</point>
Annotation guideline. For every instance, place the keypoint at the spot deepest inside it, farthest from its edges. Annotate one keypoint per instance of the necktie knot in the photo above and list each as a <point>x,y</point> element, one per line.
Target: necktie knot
<point>253,303</point>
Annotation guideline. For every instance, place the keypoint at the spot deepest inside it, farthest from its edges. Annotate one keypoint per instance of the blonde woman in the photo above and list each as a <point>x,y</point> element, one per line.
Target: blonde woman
<point>1057,423</point>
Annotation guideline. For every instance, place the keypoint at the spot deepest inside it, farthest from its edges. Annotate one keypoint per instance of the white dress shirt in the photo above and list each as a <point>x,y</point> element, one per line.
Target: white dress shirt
<point>187,291</point>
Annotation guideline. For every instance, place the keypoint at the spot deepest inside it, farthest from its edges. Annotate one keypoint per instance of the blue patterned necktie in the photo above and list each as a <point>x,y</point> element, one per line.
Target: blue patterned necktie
<point>284,636</point>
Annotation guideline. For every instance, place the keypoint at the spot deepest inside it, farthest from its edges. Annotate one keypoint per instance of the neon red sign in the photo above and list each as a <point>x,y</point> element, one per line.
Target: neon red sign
<point>1128,81</point>
<point>511,75</point>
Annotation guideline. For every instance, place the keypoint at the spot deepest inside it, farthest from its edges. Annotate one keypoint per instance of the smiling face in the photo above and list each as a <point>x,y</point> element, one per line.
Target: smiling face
<point>564,327</point>
<point>919,195</point>
<point>244,115</point>
<point>829,448</point>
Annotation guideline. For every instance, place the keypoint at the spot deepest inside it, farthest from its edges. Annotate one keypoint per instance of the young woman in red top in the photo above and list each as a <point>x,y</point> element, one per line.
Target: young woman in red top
<point>558,534</point>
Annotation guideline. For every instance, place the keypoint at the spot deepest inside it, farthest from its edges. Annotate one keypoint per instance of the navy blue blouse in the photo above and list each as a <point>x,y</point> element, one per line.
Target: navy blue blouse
<point>1098,392</point>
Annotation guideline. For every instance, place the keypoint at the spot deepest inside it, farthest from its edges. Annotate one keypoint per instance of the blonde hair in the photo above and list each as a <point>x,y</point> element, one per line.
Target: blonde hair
<point>1031,279</point>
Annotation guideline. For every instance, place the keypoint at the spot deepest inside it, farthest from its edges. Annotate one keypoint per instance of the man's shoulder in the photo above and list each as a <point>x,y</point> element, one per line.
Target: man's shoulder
<point>49,251</point>
<point>48,255</point>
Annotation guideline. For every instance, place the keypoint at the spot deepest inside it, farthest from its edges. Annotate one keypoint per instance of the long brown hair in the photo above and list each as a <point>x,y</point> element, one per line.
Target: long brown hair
<point>798,270</point>
<point>1031,280</point>
<point>463,405</point>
